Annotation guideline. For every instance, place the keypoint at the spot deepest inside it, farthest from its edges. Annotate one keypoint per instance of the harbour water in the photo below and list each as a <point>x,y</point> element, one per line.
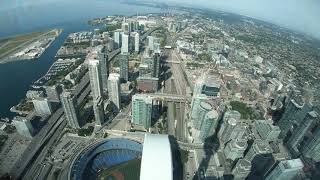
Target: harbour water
<point>71,16</point>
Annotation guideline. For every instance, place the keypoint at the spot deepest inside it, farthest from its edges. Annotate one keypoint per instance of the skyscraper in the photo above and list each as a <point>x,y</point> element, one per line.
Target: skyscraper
<point>150,43</point>
<point>231,128</point>
<point>259,147</point>
<point>53,93</point>
<point>286,170</point>
<point>117,39</point>
<point>311,148</point>
<point>42,106</point>
<point>146,67</point>
<point>294,113</point>
<point>114,90</point>
<point>156,65</point>
<point>125,26</point>
<point>300,131</point>
<point>125,44</point>
<point>98,111</point>
<point>235,149</point>
<point>208,125</point>
<point>124,67</point>
<point>156,45</point>
<point>196,101</point>
<point>267,130</point>
<point>70,109</point>
<point>23,126</point>
<point>242,169</point>
<point>203,117</point>
<point>104,66</point>
<point>109,44</point>
<point>197,89</point>
<point>95,78</point>
<point>137,42</point>
<point>142,110</point>
<point>136,26</point>
<point>201,112</point>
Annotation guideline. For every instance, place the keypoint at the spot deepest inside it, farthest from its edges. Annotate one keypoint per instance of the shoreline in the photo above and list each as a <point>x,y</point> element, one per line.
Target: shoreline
<point>41,49</point>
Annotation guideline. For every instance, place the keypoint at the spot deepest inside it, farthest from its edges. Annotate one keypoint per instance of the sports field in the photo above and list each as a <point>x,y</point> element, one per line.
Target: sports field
<point>126,171</point>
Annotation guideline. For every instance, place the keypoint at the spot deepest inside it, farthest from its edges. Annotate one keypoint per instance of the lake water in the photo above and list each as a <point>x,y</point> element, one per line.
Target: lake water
<point>72,16</point>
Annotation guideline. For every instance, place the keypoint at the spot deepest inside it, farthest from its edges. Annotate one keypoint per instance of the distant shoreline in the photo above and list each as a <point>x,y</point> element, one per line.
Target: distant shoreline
<point>232,15</point>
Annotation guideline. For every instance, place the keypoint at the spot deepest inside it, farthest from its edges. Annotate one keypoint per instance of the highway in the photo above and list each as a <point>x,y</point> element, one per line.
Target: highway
<point>28,163</point>
<point>36,145</point>
<point>170,97</point>
<point>146,34</point>
<point>47,135</point>
<point>113,54</point>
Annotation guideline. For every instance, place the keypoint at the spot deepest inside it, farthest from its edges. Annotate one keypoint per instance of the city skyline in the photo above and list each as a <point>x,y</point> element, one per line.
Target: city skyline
<point>296,15</point>
<point>189,95</point>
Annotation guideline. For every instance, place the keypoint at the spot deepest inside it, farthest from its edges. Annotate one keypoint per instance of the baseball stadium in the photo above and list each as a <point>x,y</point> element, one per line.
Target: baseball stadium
<point>114,159</point>
<point>124,159</point>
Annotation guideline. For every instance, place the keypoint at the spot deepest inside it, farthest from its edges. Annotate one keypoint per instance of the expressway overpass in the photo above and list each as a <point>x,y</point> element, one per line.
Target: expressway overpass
<point>113,54</point>
<point>146,34</point>
<point>170,97</point>
<point>193,146</point>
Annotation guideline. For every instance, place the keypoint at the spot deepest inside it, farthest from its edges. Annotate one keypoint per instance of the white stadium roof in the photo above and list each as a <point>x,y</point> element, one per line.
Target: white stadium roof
<point>156,163</point>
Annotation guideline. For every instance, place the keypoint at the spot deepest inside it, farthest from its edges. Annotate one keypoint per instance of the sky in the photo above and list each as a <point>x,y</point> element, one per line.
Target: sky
<point>299,15</point>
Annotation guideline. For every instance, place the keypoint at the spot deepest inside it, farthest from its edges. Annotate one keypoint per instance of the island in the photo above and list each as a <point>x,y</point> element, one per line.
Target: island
<point>26,46</point>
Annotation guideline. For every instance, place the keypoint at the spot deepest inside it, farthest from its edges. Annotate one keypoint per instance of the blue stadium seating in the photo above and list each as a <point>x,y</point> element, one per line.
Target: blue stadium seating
<point>103,156</point>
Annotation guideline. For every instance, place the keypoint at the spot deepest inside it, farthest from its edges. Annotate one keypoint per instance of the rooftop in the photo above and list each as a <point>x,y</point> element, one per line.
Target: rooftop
<point>293,164</point>
<point>206,106</point>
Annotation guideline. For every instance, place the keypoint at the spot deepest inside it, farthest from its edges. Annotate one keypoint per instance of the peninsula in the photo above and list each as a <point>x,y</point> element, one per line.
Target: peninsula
<point>26,46</point>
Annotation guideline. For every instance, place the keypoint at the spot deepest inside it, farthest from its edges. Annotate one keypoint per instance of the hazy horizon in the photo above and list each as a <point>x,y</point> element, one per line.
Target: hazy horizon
<point>301,16</point>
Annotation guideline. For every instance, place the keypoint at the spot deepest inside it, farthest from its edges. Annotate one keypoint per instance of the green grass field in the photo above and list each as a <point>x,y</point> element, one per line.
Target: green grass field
<point>127,171</point>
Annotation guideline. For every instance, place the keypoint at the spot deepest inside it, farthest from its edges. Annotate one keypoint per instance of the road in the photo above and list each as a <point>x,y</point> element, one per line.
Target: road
<point>28,163</point>
<point>169,97</point>
<point>146,34</point>
<point>47,135</point>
